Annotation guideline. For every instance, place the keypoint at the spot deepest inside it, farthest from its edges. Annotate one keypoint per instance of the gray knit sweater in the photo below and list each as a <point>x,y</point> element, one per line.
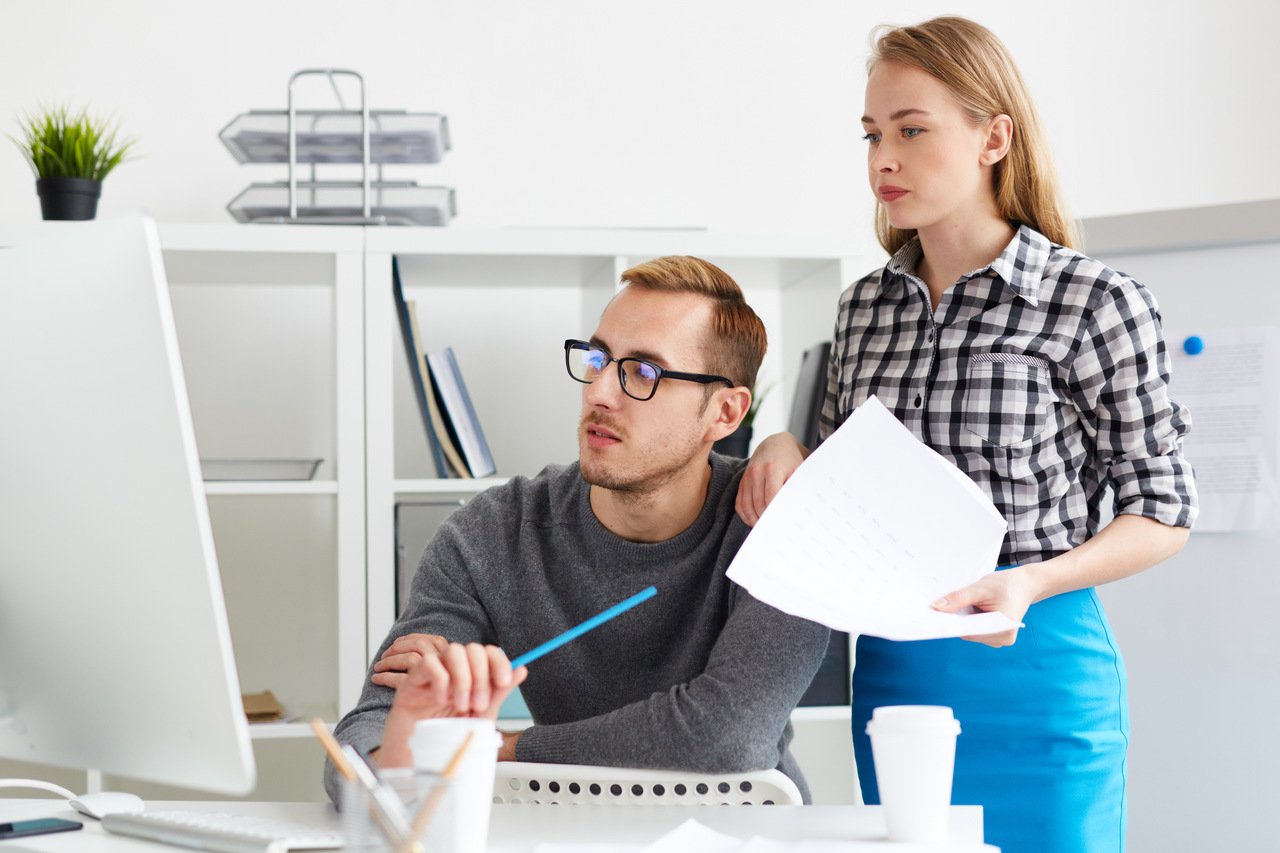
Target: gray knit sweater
<point>702,677</point>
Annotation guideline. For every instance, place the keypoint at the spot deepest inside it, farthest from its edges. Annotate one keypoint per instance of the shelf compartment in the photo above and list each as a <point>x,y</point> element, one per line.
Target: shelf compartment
<point>257,470</point>
<point>270,731</point>
<point>272,487</point>
<point>339,202</point>
<point>457,486</point>
<point>333,136</point>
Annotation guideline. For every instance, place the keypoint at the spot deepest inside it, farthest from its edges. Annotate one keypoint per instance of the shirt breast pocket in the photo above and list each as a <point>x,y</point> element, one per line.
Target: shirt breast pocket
<point>1008,397</point>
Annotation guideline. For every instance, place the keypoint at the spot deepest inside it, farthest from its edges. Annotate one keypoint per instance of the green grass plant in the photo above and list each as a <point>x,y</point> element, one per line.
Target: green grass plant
<point>60,144</point>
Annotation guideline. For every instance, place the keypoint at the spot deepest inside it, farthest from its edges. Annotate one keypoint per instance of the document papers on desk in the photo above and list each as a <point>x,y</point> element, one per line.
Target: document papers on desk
<point>870,531</point>
<point>694,837</point>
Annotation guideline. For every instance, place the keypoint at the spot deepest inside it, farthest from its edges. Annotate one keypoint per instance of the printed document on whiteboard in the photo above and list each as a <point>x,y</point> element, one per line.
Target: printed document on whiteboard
<point>870,531</point>
<point>1229,389</point>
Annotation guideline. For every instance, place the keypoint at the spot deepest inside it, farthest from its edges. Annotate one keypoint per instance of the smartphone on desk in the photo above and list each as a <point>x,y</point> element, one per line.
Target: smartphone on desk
<point>39,826</point>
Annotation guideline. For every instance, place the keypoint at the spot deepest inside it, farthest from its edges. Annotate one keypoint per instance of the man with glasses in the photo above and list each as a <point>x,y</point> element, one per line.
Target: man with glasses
<point>701,678</point>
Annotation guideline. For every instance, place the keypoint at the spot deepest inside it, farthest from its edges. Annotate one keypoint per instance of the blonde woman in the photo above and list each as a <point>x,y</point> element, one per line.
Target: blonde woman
<point>1043,375</point>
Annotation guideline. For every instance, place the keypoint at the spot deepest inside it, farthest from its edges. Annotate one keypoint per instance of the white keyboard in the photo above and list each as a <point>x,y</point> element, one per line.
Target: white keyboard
<point>224,833</point>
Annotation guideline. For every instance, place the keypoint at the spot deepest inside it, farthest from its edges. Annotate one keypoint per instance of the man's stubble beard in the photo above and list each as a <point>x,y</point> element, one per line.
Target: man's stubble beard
<point>638,483</point>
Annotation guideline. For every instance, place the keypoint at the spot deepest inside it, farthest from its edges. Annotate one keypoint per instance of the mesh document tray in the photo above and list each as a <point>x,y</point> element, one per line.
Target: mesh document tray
<point>555,784</point>
<point>333,136</point>
<point>392,202</point>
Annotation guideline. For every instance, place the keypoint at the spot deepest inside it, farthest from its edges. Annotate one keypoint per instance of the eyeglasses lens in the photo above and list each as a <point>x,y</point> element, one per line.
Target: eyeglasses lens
<point>586,364</point>
<point>640,378</point>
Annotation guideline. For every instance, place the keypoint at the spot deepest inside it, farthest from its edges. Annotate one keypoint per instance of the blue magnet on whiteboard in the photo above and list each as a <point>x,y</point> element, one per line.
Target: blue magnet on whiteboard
<point>1193,345</point>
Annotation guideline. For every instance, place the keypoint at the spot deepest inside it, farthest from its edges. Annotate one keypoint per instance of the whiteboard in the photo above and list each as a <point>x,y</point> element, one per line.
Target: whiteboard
<point>1200,633</point>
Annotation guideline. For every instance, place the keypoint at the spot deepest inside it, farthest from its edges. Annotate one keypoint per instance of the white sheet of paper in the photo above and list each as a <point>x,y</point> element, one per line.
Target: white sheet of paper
<point>588,847</point>
<point>693,837</point>
<point>1229,389</point>
<point>767,845</point>
<point>870,531</point>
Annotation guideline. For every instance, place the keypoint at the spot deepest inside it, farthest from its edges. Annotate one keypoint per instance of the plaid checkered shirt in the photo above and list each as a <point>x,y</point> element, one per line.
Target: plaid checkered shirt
<point>1043,376</point>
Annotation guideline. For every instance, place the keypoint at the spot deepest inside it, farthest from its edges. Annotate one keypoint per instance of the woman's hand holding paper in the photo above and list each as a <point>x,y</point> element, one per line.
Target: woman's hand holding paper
<point>1011,592</point>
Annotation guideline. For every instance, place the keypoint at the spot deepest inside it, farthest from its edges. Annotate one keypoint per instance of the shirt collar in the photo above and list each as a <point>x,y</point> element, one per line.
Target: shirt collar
<point>1020,266</point>
<point>904,260</point>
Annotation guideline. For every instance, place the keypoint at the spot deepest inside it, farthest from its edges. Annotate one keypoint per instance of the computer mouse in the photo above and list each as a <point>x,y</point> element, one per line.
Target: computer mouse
<point>107,802</point>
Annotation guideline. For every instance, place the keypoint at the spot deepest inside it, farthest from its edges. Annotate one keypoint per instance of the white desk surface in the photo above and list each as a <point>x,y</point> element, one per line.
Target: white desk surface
<point>514,828</point>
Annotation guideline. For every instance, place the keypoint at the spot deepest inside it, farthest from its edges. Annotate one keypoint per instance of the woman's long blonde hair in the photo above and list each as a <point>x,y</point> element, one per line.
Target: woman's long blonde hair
<point>975,66</point>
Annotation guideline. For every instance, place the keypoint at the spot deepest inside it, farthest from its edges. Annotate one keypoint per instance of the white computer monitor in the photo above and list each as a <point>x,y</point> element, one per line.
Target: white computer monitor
<point>114,648</point>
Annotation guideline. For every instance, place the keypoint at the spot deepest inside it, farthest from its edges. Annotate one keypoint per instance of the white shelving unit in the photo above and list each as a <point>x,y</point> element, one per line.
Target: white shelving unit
<point>505,300</point>
<point>291,350</point>
<point>270,326</point>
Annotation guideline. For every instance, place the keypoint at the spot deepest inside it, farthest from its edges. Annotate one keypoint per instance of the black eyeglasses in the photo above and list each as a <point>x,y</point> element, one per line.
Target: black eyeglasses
<point>638,378</point>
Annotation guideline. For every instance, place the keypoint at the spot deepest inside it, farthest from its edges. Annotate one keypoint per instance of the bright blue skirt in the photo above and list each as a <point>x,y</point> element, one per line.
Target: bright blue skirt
<point>1044,724</point>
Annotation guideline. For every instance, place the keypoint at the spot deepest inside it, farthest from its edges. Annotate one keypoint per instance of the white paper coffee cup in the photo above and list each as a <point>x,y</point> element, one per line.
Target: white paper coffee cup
<point>914,749</point>
<point>433,745</point>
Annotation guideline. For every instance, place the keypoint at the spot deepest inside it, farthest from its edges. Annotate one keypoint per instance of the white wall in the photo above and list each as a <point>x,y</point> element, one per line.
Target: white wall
<point>728,114</point>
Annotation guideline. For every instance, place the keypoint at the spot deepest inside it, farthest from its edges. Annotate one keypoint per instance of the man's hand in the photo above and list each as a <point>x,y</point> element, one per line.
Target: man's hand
<point>1011,592</point>
<point>389,669</point>
<point>457,681</point>
<point>507,752</point>
<point>773,463</point>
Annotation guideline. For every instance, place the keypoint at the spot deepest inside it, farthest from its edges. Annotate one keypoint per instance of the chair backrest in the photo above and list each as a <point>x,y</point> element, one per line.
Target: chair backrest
<point>529,782</point>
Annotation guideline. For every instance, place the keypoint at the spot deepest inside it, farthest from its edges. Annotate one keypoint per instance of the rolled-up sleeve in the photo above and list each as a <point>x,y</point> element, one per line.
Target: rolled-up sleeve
<point>1120,381</point>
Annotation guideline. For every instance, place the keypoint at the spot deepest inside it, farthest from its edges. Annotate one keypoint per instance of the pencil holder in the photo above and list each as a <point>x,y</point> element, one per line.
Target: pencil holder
<point>418,801</point>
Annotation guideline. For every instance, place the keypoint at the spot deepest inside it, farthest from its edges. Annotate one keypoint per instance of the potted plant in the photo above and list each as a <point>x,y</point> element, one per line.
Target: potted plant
<point>738,442</point>
<point>70,154</point>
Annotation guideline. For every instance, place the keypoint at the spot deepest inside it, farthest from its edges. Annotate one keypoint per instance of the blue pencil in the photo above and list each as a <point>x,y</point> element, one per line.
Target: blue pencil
<point>575,632</point>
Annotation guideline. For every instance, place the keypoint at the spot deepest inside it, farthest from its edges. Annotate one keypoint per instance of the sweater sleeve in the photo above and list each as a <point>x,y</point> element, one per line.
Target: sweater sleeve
<point>732,717</point>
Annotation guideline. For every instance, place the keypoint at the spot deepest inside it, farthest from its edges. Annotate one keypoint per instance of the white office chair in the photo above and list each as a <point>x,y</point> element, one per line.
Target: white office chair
<point>529,782</point>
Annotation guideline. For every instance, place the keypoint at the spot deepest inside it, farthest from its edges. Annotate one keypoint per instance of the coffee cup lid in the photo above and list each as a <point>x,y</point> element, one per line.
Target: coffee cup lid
<point>914,718</point>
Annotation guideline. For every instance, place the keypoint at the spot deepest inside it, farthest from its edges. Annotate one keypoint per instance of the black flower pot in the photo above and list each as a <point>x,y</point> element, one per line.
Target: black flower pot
<point>736,443</point>
<point>68,198</point>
